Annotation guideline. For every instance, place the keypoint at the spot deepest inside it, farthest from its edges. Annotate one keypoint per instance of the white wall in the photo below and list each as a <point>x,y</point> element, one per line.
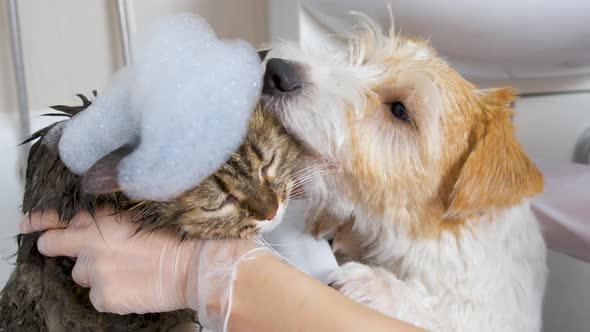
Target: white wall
<point>548,127</point>
<point>73,46</point>
<point>246,19</point>
<point>69,47</point>
<point>7,95</point>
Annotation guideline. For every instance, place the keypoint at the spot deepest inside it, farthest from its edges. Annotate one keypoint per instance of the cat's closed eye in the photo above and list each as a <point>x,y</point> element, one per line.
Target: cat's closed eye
<point>268,170</point>
<point>229,199</point>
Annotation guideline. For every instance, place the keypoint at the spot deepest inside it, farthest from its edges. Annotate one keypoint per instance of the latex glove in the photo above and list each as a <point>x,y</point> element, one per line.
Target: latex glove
<point>144,272</point>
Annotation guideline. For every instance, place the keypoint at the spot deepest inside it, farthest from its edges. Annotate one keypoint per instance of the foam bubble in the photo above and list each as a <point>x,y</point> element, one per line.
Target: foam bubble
<point>189,100</point>
<point>197,113</point>
<point>103,127</point>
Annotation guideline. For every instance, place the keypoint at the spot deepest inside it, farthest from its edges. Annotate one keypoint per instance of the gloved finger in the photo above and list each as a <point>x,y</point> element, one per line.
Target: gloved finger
<point>103,299</point>
<point>62,242</point>
<point>97,299</point>
<point>44,220</point>
<point>39,221</point>
<point>81,273</point>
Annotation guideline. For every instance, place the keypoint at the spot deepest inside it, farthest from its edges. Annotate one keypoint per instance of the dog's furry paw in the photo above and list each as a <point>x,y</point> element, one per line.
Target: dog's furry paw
<point>381,290</point>
<point>365,284</point>
<point>346,244</point>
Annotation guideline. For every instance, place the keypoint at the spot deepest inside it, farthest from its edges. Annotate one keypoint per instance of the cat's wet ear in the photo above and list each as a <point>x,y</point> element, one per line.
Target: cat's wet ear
<point>102,177</point>
<point>262,54</point>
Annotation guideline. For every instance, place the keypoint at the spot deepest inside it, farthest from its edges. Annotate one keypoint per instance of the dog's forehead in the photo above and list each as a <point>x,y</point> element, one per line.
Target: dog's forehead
<point>418,50</point>
<point>407,49</point>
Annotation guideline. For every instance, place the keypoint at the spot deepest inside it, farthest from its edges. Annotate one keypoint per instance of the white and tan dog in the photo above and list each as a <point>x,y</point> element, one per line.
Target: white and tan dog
<point>432,189</point>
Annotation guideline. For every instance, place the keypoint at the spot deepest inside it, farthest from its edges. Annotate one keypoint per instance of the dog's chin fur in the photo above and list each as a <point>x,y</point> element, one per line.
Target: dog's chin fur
<point>439,204</point>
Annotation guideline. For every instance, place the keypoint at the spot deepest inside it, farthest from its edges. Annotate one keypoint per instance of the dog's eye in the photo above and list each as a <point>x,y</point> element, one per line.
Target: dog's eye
<point>399,111</point>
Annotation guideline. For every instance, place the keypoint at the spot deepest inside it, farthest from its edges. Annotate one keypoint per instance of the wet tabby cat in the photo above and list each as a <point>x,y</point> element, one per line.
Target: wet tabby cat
<point>245,196</point>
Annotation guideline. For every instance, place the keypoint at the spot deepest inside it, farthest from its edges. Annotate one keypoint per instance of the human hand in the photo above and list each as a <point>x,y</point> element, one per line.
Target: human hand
<point>139,272</point>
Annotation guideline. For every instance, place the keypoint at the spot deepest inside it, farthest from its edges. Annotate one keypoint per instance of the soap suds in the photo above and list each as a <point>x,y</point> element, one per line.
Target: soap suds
<point>187,100</point>
<point>103,127</point>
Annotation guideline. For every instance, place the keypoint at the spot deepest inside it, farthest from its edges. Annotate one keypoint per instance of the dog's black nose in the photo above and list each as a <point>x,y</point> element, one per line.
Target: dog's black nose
<point>281,77</point>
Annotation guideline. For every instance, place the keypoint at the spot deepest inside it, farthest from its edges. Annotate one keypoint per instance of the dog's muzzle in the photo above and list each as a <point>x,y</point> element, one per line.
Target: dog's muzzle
<point>281,78</point>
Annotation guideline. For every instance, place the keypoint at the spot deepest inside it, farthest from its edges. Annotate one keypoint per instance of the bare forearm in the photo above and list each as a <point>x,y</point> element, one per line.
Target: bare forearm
<point>272,296</point>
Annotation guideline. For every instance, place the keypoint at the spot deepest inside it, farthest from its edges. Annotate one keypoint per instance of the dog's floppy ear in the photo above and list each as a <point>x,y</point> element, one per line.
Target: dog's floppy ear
<point>102,177</point>
<point>497,173</point>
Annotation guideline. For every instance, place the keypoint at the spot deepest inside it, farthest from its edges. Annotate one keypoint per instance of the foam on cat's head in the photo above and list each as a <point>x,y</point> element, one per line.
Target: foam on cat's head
<point>189,97</point>
<point>103,127</point>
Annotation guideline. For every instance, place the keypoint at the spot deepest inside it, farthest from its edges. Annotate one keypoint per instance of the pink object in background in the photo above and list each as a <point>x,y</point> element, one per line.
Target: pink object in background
<point>564,208</point>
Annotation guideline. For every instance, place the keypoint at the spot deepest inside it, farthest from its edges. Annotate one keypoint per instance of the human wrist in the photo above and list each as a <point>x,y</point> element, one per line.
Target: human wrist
<point>211,274</point>
<point>251,274</point>
<point>189,283</point>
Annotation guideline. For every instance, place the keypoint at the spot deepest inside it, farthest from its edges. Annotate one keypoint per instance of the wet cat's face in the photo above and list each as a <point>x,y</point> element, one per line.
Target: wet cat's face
<point>246,196</point>
<point>249,194</point>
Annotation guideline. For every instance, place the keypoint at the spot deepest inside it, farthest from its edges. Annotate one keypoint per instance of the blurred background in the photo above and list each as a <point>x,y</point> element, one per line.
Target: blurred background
<point>51,50</point>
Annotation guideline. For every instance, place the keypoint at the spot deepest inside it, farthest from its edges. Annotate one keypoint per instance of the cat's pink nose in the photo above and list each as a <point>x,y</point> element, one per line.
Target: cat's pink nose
<point>271,214</point>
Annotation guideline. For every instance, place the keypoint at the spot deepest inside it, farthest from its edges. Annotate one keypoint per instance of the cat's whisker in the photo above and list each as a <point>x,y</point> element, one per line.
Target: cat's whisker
<point>310,169</point>
<point>304,180</point>
<point>317,165</point>
<point>301,183</point>
<point>281,244</point>
<point>317,174</point>
<point>258,239</point>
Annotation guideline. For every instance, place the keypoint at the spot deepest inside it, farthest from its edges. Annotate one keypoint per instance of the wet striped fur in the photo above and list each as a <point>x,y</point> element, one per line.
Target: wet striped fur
<point>41,295</point>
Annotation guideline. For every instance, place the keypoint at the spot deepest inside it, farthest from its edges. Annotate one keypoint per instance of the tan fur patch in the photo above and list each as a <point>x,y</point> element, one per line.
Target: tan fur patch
<point>455,155</point>
<point>497,172</point>
<point>482,165</point>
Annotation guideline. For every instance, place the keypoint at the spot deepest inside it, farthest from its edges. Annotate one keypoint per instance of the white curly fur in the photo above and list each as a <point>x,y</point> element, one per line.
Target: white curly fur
<point>486,275</point>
